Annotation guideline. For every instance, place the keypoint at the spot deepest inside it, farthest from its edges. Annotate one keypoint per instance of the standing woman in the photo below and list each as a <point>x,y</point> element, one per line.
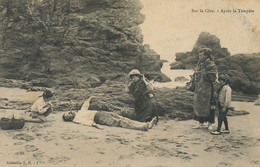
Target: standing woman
<point>145,106</point>
<point>204,79</point>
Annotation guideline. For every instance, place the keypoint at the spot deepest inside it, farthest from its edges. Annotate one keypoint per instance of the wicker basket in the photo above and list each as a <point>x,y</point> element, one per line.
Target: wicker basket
<point>5,124</point>
<point>8,124</point>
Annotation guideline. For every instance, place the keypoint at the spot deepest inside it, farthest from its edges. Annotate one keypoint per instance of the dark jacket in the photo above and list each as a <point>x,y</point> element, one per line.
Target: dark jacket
<point>145,106</point>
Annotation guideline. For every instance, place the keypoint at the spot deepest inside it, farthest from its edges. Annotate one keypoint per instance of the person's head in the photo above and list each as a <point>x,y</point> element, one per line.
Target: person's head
<point>205,53</point>
<point>47,94</point>
<point>135,75</point>
<point>224,78</point>
<point>69,116</point>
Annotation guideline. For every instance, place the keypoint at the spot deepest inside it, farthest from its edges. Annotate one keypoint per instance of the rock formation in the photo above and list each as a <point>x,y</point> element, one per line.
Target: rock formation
<point>243,69</point>
<point>79,43</point>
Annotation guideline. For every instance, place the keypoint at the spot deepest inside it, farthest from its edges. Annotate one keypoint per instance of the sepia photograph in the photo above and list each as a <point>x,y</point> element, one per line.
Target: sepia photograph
<point>129,83</point>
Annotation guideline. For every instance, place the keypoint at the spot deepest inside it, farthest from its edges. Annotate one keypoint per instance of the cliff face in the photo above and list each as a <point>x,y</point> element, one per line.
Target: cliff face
<point>243,69</point>
<point>79,42</point>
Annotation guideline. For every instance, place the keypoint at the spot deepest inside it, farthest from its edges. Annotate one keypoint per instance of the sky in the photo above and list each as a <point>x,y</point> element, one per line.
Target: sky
<point>170,26</point>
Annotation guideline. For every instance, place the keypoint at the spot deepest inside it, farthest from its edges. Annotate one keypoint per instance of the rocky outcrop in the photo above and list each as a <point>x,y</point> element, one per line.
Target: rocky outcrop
<point>78,43</point>
<point>174,103</point>
<point>243,69</point>
<point>188,60</point>
<point>244,72</point>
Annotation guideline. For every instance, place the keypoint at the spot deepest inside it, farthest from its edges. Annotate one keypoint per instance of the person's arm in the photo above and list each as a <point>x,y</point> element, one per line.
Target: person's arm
<point>140,89</point>
<point>191,83</point>
<point>127,84</point>
<point>43,109</point>
<point>210,71</point>
<point>228,92</point>
<point>127,88</point>
<point>211,77</point>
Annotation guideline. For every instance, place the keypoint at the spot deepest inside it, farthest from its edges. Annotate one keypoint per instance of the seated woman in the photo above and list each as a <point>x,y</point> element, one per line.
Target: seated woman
<point>93,117</point>
<point>145,106</point>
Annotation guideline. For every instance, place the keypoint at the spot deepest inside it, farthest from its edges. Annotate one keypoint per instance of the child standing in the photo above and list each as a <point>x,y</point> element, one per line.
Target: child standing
<point>224,102</point>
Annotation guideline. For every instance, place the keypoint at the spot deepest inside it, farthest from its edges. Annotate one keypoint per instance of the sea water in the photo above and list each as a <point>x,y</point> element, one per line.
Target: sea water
<point>172,74</point>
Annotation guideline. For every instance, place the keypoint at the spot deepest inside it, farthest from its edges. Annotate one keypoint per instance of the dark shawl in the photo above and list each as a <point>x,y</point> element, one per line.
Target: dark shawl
<point>204,77</point>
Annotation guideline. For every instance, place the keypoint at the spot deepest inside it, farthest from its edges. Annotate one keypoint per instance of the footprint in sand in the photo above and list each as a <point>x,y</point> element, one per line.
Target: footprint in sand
<point>235,155</point>
<point>88,137</point>
<point>187,158</point>
<point>58,159</point>
<point>254,162</point>
<point>100,152</point>
<point>194,155</point>
<point>38,154</point>
<point>122,141</point>
<point>31,148</point>
<point>66,136</point>
<point>112,135</point>
<point>23,136</point>
<point>73,147</point>
<point>208,149</point>
<point>224,164</point>
<point>19,153</point>
<point>48,138</point>
<point>181,136</point>
<point>109,140</point>
<point>18,143</point>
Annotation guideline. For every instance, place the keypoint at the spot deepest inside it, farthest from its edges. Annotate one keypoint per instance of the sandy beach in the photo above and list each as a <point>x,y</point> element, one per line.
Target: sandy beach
<point>170,143</point>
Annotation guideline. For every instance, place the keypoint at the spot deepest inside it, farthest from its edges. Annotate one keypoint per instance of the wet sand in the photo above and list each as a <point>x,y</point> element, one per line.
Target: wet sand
<point>170,143</point>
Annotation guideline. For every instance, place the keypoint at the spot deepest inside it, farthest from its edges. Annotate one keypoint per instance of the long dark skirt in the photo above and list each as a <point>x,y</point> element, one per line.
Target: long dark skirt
<point>145,109</point>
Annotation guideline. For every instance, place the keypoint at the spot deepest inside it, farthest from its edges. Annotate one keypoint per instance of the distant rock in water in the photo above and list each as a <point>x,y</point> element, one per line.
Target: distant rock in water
<point>76,43</point>
<point>243,69</point>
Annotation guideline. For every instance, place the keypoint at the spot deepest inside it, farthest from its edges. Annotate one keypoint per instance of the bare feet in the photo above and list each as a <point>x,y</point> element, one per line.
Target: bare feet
<point>152,123</point>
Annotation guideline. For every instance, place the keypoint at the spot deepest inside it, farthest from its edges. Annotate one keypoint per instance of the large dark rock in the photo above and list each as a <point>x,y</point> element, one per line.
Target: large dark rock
<point>243,69</point>
<point>79,43</point>
<point>174,103</point>
<point>244,72</point>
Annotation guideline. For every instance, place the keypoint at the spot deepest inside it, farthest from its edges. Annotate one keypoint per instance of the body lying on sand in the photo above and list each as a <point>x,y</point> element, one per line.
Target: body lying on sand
<point>93,117</point>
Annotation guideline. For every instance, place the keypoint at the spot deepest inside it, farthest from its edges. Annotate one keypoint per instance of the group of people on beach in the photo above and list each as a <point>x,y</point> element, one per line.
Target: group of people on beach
<point>211,93</point>
<point>146,115</point>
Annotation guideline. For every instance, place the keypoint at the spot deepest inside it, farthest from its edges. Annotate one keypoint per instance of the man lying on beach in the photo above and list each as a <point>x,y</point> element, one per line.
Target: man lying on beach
<point>93,117</point>
<point>40,109</point>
